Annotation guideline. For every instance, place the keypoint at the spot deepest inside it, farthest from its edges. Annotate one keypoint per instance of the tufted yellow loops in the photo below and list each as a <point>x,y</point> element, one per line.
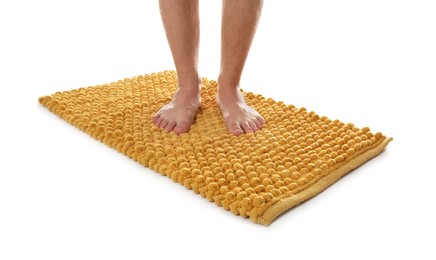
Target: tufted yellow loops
<point>229,195</point>
<point>357,147</point>
<point>241,195</point>
<point>259,188</point>
<point>242,180</point>
<point>292,185</point>
<point>258,201</point>
<point>267,182</point>
<point>295,175</point>
<point>301,181</point>
<point>233,184</point>
<point>247,203</point>
<point>248,174</point>
<point>255,181</point>
<point>261,169</point>
<point>213,186</point>
<point>184,171</point>
<point>339,159</point>
<point>267,196</point>
<point>378,135</point>
<point>224,190</point>
<point>331,162</point>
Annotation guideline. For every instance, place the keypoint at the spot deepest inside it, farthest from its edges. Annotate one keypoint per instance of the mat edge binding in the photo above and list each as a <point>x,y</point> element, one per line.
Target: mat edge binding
<point>322,184</point>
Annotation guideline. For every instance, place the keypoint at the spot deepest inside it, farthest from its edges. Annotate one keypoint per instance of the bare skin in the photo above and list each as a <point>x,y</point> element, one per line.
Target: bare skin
<point>181,23</point>
<point>179,114</point>
<point>239,23</point>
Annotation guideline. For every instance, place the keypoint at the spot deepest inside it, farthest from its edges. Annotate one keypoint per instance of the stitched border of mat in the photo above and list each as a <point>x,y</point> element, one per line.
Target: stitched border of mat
<point>322,184</point>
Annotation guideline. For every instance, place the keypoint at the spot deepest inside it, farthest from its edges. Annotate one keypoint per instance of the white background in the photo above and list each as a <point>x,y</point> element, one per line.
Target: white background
<point>64,195</point>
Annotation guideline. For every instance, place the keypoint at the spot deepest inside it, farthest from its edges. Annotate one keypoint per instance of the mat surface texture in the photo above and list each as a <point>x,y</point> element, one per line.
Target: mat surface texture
<point>260,175</point>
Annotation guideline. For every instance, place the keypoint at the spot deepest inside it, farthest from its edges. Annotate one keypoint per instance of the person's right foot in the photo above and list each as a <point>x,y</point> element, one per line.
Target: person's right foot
<point>179,114</point>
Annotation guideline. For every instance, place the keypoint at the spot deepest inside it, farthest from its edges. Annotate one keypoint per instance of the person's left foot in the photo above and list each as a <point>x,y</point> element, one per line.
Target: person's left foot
<point>238,116</point>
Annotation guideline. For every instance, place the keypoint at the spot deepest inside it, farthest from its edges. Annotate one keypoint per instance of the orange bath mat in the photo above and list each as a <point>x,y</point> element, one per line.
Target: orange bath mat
<point>260,175</point>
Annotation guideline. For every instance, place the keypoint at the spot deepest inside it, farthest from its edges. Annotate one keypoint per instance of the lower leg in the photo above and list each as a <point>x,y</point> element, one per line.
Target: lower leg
<point>239,23</point>
<point>181,23</point>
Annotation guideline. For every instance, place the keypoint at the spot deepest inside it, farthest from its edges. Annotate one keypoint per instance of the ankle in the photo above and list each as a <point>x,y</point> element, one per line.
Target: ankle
<point>228,95</point>
<point>189,87</point>
<point>191,81</point>
<point>227,89</point>
<point>228,81</point>
<point>188,93</point>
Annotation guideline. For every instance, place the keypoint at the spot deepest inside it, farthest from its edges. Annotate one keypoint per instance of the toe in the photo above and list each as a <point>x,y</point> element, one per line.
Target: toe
<point>158,121</point>
<point>155,117</point>
<point>236,129</point>
<point>163,124</point>
<point>170,126</point>
<point>181,128</point>
<point>260,119</point>
<point>258,124</point>
<point>253,125</point>
<point>247,128</point>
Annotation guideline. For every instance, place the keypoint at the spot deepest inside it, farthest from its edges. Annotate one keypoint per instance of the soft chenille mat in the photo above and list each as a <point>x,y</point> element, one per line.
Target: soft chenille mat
<point>260,175</point>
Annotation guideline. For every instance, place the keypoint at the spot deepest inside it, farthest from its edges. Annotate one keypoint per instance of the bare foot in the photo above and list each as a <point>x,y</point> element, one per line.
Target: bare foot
<point>179,114</point>
<point>238,116</point>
